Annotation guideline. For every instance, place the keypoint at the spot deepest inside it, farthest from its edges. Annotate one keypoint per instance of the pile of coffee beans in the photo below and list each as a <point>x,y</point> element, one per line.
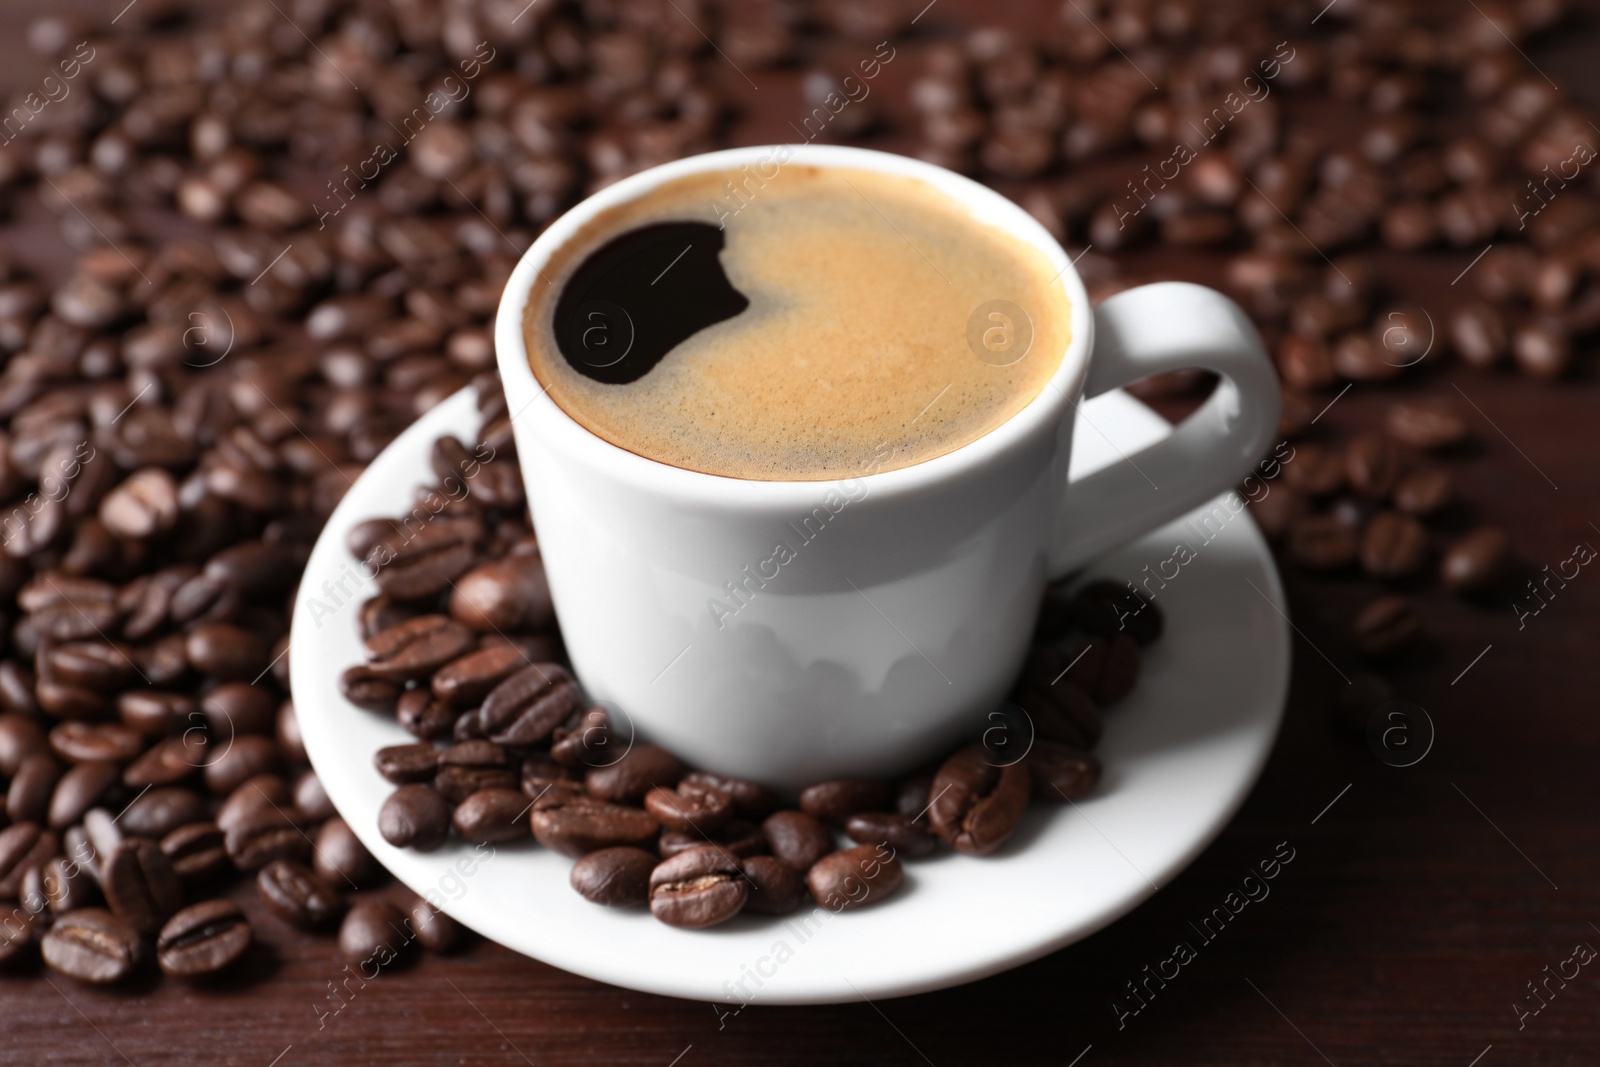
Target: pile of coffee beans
<point>462,650</point>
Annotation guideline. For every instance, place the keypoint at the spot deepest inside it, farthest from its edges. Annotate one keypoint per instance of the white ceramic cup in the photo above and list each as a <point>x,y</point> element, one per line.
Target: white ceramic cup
<point>901,612</point>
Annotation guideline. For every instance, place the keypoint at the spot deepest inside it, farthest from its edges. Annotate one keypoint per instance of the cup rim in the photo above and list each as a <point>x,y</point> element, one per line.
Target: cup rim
<point>528,400</point>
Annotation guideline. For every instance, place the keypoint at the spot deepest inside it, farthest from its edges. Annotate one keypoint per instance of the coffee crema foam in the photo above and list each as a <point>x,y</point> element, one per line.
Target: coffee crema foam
<point>853,356</point>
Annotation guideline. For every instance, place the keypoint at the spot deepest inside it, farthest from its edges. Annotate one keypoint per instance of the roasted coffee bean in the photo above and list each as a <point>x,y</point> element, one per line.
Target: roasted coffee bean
<point>197,851</point>
<point>264,835</point>
<point>797,839</point>
<point>539,775</point>
<point>1542,349</point>
<point>527,707</point>
<point>380,613</point>
<point>407,763</point>
<point>1385,626</point>
<point>298,895</point>
<point>1372,465</point>
<point>264,792</point>
<point>1321,542</point>
<point>226,651</point>
<point>433,929</point>
<point>239,708</point>
<point>423,564</point>
<point>421,716</point>
<point>1314,470</point>
<point>203,939</point>
<point>586,739</point>
<point>906,835</point>
<point>700,887</point>
<point>96,665</point>
<point>468,766</point>
<point>617,877</point>
<point>691,808</point>
<point>503,596</point>
<point>1060,712</point>
<point>140,885</point>
<point>1476,561</point>
<point>1105,609</point>
<point>68,884</point>
<point>1428,425</point>
<point>415,816</point>
<point>155,714</point>
<point>364,688</point>
<point>491,816</point>
<point>80,789</point>
<point>158,812</point>
<point>1478,333</point>
<point>237,763</point>
<point>28,799</point>
<point>311,801</point>
<point>373,934</point>
<point>737,838</point>
<point>286,731</point>
<point>417,647</point>
<point>977,806</point>
<point>645,767</point>
<point>574,824</point>
<point>23,846</point>
<point>854,877</point>
<point>91,945</point>
<point>465,682</point>
<point>775,887</point>
<point>1424,491</point>
<point>341,858</point>
<point>110,742</point>
<point>1105,668</point>
<point>912,797</point>
<point>19,736</point>
<point>1393,545</point>
<point>837,800</point>
<point>1060,771</point>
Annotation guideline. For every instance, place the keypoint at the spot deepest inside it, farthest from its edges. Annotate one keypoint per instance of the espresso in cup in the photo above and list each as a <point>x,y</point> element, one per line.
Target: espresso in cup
<point>823,323</point>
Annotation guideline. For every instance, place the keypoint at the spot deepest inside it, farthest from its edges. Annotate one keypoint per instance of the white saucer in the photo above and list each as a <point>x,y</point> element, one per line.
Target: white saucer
<point>1180,754</point>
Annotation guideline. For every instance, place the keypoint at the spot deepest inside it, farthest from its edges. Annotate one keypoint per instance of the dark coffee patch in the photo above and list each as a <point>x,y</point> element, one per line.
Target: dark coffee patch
<point>639,296</point>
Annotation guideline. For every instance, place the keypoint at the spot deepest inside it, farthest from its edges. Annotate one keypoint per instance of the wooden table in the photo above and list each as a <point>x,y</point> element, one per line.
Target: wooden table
<point>1420,903</point>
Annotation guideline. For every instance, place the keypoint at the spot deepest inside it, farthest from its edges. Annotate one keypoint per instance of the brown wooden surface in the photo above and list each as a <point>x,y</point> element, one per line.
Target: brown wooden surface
<point>1415,912</point>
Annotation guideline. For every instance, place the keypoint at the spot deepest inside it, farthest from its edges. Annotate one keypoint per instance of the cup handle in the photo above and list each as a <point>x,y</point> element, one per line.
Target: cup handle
<point>1163,327</point>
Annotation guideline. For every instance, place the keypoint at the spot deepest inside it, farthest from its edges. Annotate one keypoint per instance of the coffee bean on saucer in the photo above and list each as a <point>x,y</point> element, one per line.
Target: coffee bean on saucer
<point>422,564</point>
<point>908,837</point>
<point>837,800</point>
<point>574,824</point>
<point>737,838</point>
<point>1105,668</point>
<point>911,798</point>
<point>203,939</point>
<point>1109,608</point>
<point>468,766</point>
<point>700,887</point>
<point>401,764</point>
<point>1393,545</point>
<point>1060,771</point>
<point>617,877</point>
<point>751,800</point>
<point>775,887</point>
<point>415,816</point>
<point>976,805</point>
<point>364,688</point>
<point>417,647</point>
<point>797,839</point>
<point>1385,626</point>
<point>492,816</point>
<point>92,945</point>
<point>855,877</point>
<point>644,767</point>
<point>1476,561</point>
<point>691,807</point>
<point>373,933</point>
<point>1062,712</point>
<point>464,682</point>
<point>526,708</point>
